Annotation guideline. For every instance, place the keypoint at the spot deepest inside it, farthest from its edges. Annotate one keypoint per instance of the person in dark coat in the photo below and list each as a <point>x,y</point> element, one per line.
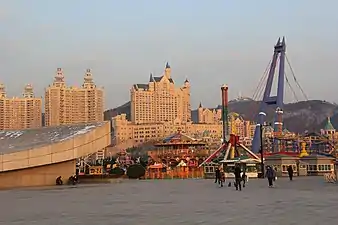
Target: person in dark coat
<point>238,178</point>
<point>244,177</point>
<point>222,178</point>
<point>290,172</point>
<point>270,174</point>
<point>59,181</point>
<point>217,175</point>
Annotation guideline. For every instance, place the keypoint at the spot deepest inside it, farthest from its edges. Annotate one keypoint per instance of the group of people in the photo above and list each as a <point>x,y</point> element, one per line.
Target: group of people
<point>271,174</point>
<point>240,176</point>
<point>72,180</point>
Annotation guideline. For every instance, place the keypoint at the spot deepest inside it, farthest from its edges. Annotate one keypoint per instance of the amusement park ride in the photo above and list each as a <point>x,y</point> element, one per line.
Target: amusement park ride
<point>185,155</point>
<point>179,149</point>
<point>231,150</point>
<point>281,140</point>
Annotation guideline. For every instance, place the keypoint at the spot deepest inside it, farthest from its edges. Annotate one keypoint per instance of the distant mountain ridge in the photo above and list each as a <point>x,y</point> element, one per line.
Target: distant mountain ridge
<point>308,115</point>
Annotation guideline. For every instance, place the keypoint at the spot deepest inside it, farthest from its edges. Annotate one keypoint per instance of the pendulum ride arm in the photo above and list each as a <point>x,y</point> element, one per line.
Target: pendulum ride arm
<point>213,155</point>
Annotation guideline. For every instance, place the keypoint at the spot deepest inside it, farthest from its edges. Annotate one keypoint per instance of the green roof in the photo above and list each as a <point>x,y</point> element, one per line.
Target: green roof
<point>328,125</point>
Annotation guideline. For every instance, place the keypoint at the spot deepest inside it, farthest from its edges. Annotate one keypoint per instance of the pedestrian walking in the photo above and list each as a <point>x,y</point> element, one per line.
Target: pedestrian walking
<point>270,174</point>
<point>290,172</point>
<point>222,178</point>
<point>217,175</point>
<point>244,178</point>
<point>238,178</point>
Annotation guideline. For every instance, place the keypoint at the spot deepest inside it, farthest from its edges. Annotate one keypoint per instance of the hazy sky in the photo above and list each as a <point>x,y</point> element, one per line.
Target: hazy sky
<point>208,42</point>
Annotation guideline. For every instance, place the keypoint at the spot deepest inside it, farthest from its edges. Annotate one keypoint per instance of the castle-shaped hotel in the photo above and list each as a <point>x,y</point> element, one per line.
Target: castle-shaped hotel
<point>159,109</point>
<point>160,101</point>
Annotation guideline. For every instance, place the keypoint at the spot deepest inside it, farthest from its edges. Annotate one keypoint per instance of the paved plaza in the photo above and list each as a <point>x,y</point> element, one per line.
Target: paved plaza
<point>303,201</point>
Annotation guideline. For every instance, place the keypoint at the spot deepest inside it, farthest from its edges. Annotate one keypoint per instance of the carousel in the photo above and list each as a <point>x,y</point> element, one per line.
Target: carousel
<point>124,158</point>
<point>179,150</point>
<point>178,156</point>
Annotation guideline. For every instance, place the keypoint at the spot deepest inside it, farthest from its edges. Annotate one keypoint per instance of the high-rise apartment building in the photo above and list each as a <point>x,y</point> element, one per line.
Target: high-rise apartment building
<point>20,113</point>
<point>160,101</point>
<point>70,105</point>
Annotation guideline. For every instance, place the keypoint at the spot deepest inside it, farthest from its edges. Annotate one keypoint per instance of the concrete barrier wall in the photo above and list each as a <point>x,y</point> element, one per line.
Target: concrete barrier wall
<point>80,145</point>
<point>37,176</point>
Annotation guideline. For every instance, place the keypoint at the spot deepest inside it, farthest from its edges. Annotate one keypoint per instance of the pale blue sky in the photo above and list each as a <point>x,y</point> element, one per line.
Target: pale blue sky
<point>209,42</point>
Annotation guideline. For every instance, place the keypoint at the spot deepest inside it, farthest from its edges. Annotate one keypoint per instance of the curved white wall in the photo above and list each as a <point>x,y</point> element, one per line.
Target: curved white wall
<point>78,146</point>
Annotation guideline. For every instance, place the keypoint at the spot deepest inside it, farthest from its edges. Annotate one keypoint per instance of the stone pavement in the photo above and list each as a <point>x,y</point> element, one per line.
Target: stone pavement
<point>305,201</point>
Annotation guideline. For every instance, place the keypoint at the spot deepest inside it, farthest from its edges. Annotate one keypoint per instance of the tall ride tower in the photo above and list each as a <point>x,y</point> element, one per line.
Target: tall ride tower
<point>268,100</point>
<point>225,111</point>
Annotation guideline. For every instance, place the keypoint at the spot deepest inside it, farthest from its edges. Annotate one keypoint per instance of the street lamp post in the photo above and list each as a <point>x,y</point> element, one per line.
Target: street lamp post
<point>262,150</point>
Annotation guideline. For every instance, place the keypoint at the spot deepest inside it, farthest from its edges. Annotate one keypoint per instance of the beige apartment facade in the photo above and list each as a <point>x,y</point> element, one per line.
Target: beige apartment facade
<point>209,116</point>
<point>241,127</point>
<point>20,112</point>
<point>125,130</point>
<point>237,125</point>
<point>71,105</point>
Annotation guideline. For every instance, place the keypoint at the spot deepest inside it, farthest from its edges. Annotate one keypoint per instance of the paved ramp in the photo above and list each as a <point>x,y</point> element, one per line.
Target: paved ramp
<point>17,140</point>
<point>36,147</point>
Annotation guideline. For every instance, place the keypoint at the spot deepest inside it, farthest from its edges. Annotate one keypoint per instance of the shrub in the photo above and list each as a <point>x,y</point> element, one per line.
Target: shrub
<point>136,171</point>
<point>117,171</point>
